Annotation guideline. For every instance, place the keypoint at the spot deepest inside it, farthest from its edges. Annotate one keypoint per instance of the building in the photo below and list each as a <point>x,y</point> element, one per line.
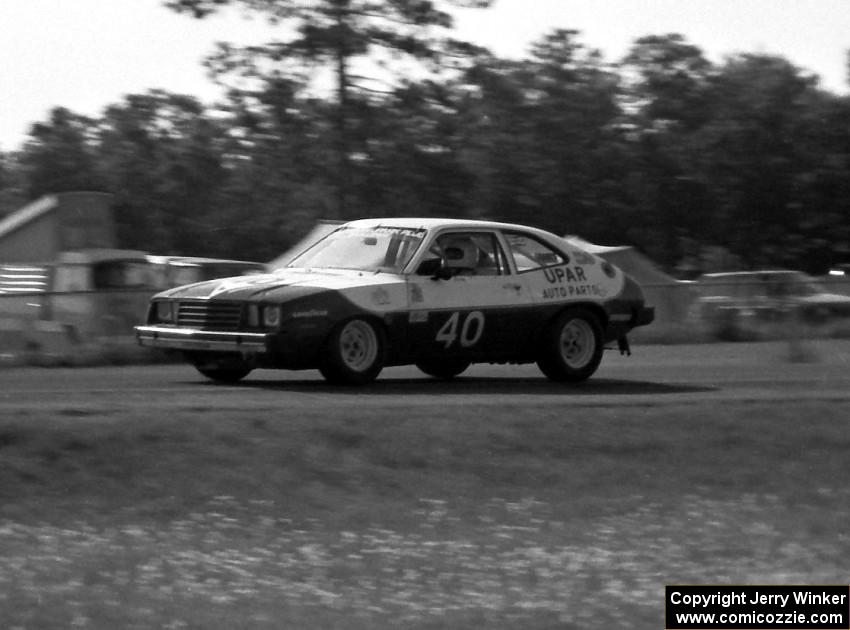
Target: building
<point>56,223</point>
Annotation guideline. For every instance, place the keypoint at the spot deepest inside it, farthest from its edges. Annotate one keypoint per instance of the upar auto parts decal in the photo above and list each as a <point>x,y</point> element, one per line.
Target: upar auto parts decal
<point>570,281</point>
<point>578,280</point>
<point>581,290</point>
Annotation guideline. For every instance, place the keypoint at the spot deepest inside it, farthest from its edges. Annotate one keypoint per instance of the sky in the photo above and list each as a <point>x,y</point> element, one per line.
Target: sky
<point>87,54</point>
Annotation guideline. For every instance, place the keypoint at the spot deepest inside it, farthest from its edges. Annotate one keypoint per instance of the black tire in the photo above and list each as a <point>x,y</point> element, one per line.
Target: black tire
<point>572,345</point>
<point>445,369</point>
<point>221,368</point>
<point>354,353</point>
<point>224,374</point>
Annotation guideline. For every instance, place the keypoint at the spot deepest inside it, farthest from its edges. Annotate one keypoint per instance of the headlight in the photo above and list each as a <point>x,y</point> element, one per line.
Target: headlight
<point>271,316</point>
<point>164,312</point>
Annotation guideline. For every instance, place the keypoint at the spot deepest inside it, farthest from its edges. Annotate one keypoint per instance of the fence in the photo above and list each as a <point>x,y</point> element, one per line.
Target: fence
<point>36,320</point>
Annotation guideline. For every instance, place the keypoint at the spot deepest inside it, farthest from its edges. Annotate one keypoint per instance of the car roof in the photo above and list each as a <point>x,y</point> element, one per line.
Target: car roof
<point>432,223</point>
<point>98,255</point>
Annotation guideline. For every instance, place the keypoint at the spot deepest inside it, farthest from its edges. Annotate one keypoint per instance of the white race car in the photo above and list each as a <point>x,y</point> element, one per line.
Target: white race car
<point>438,293</point>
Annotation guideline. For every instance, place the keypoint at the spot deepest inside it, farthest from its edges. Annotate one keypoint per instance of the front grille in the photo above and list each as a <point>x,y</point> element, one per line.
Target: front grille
<point>209,315</point>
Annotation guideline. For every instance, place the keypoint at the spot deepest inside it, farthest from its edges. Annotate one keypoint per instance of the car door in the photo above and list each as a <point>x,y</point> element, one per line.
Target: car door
<point>464,299</point>
<point>551,277</point>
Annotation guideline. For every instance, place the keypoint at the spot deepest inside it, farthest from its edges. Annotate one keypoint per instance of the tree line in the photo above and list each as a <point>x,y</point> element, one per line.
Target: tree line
<point>661,149</point>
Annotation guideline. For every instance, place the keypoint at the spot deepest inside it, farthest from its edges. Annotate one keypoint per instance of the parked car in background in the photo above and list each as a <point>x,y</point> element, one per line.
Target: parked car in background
<point>842,270</point>
<point>102,292</point>
<point>98,292</point>
<point>734,298</point>
<point>838,279</point>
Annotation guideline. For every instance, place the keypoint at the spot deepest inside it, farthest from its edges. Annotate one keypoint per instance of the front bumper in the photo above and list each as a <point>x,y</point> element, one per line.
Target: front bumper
<point>194,339</point>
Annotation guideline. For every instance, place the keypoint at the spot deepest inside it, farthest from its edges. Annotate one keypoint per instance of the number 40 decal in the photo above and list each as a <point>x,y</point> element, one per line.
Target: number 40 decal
<point>470,331</point>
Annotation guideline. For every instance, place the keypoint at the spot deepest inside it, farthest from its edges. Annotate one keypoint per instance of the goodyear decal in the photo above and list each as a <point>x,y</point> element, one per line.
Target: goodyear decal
<point>309,314</point>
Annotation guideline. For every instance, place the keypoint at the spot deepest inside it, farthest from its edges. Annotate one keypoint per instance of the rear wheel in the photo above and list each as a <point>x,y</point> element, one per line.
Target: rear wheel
<point>354,354</point>
<point>445,369</point>
<point>572,346</point>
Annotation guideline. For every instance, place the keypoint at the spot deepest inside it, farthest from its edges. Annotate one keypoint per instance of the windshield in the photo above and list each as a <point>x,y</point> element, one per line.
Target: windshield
<point>122,274</point>
<point>380,248</point>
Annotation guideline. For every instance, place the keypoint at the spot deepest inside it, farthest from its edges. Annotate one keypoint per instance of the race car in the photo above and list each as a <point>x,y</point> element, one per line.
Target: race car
<point>440,294</point>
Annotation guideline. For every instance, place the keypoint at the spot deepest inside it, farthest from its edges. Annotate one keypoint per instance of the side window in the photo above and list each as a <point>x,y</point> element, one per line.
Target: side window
<point>122,275</point>
<point>529,253</point>
<point>470,253</point>
<point>71,278</point>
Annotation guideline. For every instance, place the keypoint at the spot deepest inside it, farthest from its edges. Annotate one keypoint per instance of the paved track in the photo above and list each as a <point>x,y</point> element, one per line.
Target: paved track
<point>654,375</point>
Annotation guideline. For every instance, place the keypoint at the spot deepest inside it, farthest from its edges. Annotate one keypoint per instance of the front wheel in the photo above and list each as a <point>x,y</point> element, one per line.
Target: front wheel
<point>220,368</point>
<point>224,375</point>
<point>445,369</point>
<point>354,354</point>
<point>572,346</point>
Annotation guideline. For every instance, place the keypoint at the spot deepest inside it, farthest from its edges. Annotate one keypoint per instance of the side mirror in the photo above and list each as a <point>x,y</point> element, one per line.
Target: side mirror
<point>442,273</point>
<point>434,267</point>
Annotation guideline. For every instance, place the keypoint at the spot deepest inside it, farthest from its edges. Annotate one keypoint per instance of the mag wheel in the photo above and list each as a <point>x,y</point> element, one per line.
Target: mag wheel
<point>445,369</point>
<point>354,354</point>
<point>572,346</point>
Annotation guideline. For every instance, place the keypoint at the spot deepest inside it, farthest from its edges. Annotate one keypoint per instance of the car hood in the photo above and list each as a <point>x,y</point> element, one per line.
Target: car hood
<point>283,284</point>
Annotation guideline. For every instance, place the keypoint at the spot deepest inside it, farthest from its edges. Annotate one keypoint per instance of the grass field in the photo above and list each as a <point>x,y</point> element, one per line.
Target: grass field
<point>534,516</point>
